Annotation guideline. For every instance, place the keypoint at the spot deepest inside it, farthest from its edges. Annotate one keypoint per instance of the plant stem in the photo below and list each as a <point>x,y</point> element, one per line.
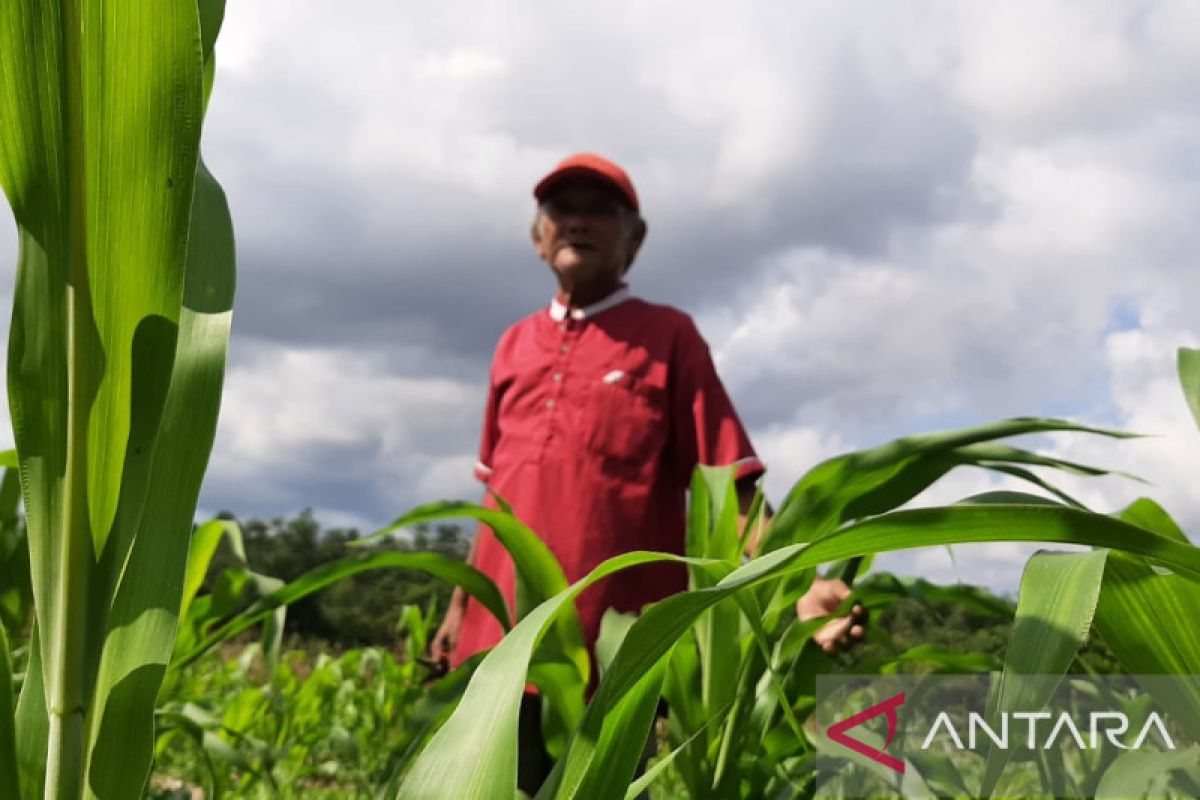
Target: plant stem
<point>64,763</point>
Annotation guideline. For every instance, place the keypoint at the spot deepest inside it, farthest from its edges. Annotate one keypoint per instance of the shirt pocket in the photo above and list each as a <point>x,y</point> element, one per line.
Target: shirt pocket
<point>628,425</point>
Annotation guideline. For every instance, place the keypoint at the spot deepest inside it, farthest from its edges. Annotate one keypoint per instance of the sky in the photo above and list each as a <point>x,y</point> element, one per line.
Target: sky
<point>885,219</point>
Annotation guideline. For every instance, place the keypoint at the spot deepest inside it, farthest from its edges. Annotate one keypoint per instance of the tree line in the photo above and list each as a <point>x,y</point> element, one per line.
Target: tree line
<point>356,611</point>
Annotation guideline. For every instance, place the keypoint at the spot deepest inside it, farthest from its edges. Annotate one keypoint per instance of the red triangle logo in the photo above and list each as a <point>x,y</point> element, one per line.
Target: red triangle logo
<point>837,732</point>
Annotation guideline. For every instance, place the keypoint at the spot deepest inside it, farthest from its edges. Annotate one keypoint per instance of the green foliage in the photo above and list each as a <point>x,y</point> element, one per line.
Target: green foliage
<point>363,609</point>
<point>740,671</point>
<point>315,722</point>
<point>120,319</point>
<point>16,587</point>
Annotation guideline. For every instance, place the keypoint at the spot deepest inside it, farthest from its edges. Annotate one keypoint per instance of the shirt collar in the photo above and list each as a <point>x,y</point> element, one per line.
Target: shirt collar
<point>558,312</point>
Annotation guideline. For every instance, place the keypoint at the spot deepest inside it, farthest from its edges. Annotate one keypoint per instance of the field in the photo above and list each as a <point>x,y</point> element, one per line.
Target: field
<point>327,720</point>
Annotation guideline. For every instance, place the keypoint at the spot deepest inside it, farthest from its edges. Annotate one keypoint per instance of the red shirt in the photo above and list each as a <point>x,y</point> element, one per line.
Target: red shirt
<point>595,421</point>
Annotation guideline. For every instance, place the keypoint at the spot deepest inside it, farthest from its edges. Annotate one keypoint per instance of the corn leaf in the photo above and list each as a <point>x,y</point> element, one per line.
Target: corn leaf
<point>1137,774</point>
<point>16,592</point>
<point>141,628</point>
<point>604,752</point>
<point>1145,513</point>
<point>538,578</point>
<point>9,783</point>
<point>712,534</point>
<point>1189,379</point>
<point>1139,617</point>
<point>472,580</point>
<point>116,352</point>
<point>989,453</point>
<point>1058,599</point>
<point>482,730</point>
<point>961,524</point>
<point>860,484</point>
<point>200,554</point>
<point>650,775</point>
<point>33,724</point>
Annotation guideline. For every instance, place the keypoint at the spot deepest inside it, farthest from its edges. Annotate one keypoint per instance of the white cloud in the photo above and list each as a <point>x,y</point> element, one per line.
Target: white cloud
<point>789,452</point>
<point>333,422</point>
<point>1145,387</point>
<point>886,218</point>
<point>1032,69</point>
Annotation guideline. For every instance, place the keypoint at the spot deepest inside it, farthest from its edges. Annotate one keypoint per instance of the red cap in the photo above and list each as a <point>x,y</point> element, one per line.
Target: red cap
<point>588,165</point>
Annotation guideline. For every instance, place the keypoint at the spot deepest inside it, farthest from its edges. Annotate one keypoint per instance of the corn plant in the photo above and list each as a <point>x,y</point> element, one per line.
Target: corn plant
<point>116,355</point>
<point>270,735</point>
<point>737,667</point>
<point>339,723</point>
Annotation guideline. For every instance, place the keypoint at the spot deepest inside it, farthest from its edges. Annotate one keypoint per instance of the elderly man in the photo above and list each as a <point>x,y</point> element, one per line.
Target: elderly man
<point>599,409</point>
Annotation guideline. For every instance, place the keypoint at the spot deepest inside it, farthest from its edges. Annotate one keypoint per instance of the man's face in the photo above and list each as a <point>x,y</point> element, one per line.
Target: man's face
<point>582,234</point>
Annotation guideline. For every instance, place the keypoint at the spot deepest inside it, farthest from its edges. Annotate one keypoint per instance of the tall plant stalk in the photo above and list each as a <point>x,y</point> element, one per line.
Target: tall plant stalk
<point>116,355</point>
<point>64,760</point>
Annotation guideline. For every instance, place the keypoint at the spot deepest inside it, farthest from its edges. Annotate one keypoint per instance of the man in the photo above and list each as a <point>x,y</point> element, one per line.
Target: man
<point>598,411</point>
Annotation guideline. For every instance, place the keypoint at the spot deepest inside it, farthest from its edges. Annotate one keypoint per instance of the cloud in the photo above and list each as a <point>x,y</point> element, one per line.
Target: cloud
<point>1031,70</point>
<point>335,429</point>
<point>885,219</point>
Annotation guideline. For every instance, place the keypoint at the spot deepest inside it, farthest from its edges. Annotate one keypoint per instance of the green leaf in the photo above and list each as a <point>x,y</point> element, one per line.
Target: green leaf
<point>939,773</point>
<point>16,590</point>
<point>1145,513</point>
<point>929,527</point>
<point>1138,617</point>
<point>868,482</point>
<point>472,580</point>
<point>650,775</point>
<point>136,217</point>
<point>140,632</point>
<point>1058,598</point>
<point>33,724</point>
<point>604,752</point>
<point>200,553</point>
<point>1136,774</point>
<point>109,365</point>
<point>994,453</point>
<point>482,731</point>
<point>9,784</point>
<point>1189,380</point>
<point>712,533</point>
<point>613,627</point>
<point>538,578</point>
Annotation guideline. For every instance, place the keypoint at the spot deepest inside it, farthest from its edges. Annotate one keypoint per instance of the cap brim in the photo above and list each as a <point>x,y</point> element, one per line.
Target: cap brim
<point>547,184</point>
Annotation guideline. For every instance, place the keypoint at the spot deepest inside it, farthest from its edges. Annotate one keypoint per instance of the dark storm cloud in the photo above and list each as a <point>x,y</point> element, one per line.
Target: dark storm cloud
<point>885,217</point>
<point>337,255</point>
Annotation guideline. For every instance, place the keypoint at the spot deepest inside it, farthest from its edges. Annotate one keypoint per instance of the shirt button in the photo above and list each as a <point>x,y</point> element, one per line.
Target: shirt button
<point>549,404</point>
<point>563,349</point>
<point>557,377</point>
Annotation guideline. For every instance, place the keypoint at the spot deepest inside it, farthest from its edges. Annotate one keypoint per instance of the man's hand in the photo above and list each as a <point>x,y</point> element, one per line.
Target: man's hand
<point>823,598</point>
<point>441,648</point>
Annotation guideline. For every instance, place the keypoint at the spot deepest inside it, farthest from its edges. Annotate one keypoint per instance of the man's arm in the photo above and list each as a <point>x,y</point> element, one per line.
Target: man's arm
<point>444,641</point>
<point>822,598</point>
